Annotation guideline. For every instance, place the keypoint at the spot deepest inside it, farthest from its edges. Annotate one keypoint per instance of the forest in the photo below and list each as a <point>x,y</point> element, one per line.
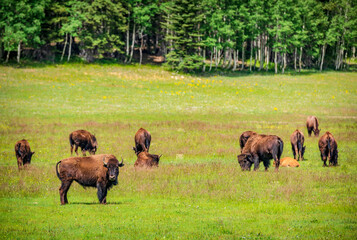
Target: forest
<point>185,35</point>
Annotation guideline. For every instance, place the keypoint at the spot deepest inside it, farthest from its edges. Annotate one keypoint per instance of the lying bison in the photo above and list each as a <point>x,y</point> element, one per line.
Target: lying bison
<point>100,171</point>
<point>312,125</point>
<point>289,162</point>
<point>147,160</point>
<point>261,148</point>
<point>142,141</point>
<point>23,153</point>
<point>328,149</point>
<point>83,139</point>
<point>244,138</point>
<point>297,140</point>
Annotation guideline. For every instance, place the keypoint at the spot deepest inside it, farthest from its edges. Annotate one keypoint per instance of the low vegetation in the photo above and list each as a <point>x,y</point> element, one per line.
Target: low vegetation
<point>198,191</point>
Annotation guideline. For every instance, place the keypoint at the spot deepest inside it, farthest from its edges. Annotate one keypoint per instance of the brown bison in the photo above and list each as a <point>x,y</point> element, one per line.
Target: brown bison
<point>100,171</point>
<point>83,139</point>
<point>23,153</point>
<point>142,141</point>
<point>297,140</point>
<point>244,138</point>
<point>261,148</point>
<point>147,160</point>
<point>328,149</point>
<point>289,162</point>
<point>312,125</point>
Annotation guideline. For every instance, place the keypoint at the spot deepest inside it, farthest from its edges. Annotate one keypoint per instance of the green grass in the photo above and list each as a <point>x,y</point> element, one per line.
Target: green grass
<point>199,191</point>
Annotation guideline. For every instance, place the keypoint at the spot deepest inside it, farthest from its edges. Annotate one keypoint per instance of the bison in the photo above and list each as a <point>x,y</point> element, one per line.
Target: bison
<point>100,171</point>
<point>142,141</point>
<point>83,139</point>
<point>261,148</point>
<point>328,149</point>
<point>147,160</point>
<point>23,153</point>
<point>244,138</point>
<point>289,162</point>
<point>297,144</point>
<point>312,125</point>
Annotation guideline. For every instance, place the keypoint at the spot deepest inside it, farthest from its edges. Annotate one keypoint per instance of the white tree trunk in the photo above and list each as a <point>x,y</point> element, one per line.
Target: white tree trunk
<point>132,45</point>
<point>19,52</point>
<point>243,56</point>
<point>300,60</point>
<point>64,48</point>
<point>127,48</point>
<point>322,57</point>
<point>70,47</point>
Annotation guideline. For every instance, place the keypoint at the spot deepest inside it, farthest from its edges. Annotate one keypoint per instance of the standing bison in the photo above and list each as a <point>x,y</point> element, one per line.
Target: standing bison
<point>328,149</point>
<point>261,148</point>
<point>297,144</point>
<point>100,171</point>
<point>244,138</point>
<point>23,153</point>
<point>83,139</point>
<point>142,141</point>
<point>147,160</point>
<point>312,125</point>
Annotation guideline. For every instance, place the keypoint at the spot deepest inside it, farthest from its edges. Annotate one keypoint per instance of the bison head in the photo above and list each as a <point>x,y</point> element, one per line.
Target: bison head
<point>245,161</point>
<point>316,132</point>
<point>113,166</point>
<point>94,144</point>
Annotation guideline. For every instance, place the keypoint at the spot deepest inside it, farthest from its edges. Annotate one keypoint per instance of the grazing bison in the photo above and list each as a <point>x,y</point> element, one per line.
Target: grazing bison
<point>83,139</point>
<point>328,149</point>
<point>142,141</point>
<point>261,148</point>
<point>289,162</point>
<point>100,171</point>
<point>23,153</point>
<point>297,144</point>
<point>147,160</point>
<point>312,125</point>
<point>244,138</point>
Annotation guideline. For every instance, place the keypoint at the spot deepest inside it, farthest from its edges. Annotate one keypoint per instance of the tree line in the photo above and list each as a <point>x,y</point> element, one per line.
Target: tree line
<point>191,35</point>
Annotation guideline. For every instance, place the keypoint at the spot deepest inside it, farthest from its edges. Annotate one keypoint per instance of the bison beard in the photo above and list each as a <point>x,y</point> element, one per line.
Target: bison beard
<point>91,171</point>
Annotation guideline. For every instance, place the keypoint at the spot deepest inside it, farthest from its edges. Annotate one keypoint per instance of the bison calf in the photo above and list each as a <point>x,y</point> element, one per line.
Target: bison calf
<point>328,149</point>
<point>244,138</point>
<point>297,140</point>
<point>147,160</point>
<point>83,139</point>
<point>289,162</point>
<point>23,153</point>
<point>142,141</point>
<point>312,125</point>
<point>261,148</point>
<point>100,171</point>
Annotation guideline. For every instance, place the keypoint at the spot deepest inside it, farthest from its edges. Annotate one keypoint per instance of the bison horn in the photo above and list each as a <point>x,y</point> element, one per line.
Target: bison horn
<point>104,162</point>
<point>160,156</point>
<point>122,161</point>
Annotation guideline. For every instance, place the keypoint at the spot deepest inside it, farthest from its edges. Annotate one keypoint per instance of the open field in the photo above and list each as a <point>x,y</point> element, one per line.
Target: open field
<point>198,191</point>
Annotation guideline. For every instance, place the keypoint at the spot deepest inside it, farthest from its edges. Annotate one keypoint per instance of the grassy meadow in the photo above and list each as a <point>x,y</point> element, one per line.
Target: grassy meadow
<point>198,191</point>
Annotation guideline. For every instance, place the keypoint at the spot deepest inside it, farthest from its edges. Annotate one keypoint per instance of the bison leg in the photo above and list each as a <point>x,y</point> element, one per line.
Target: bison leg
<point>102,193</point>
<point>19,163</point>
<point>71,150</point>
<point>266,165</point>
<point>294,151</point>
<point>256,163</point>
<point>84,152</point>
<point>309,132</point>
<point>324,159</point>
<point>63,191</point>
<point>76,149</point>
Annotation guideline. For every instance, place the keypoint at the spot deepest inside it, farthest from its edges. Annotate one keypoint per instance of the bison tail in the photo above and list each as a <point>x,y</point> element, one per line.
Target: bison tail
<point>57,171</point>
<point>71,142</point>
<point>281,148</point>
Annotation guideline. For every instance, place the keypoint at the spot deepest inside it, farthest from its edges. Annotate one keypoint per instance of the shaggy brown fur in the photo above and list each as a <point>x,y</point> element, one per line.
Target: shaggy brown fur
<point>147,160</point>
<point>328,149</point>
<point>100,171</point>
<point>261,148</point>
<point>142,141</point>
<point>244,138</point>
<point>23,153</point>
<point>297,140</point>
<point>83,139</point>
<point>312,125</point>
